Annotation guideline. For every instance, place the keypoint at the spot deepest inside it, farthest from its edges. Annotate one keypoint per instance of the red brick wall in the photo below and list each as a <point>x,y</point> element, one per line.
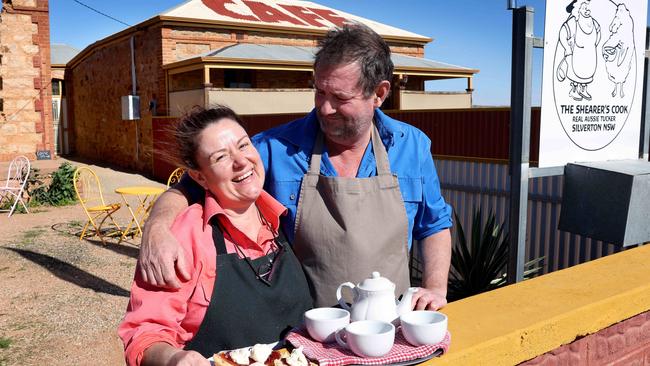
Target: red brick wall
<point>95,86</point>
<point>97,81</point>
<point>625,343</point>
<point>282,79</point>
<point>183,42</point>
<point>26,122</point>
<point>467,133</point>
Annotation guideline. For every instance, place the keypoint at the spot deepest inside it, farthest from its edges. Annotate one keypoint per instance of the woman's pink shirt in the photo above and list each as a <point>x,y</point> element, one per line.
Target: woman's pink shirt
<point>174,316</point>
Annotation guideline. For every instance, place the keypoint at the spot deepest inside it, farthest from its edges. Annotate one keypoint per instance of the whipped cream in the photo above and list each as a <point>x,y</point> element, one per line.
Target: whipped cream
<point>240,356</point>
<point>297,358</point>
<point>260,352</point>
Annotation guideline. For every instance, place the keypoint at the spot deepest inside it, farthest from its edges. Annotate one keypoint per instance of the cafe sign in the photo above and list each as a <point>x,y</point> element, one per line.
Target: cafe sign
<point>280,13</point>
<point>592,82</point>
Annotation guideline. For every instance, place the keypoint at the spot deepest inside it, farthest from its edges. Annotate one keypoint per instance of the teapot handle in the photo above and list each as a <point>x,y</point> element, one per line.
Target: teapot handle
<point>342,302</point>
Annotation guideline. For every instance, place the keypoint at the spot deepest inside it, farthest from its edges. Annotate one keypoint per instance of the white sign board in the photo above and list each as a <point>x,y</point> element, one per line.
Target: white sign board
<point>592,82</point>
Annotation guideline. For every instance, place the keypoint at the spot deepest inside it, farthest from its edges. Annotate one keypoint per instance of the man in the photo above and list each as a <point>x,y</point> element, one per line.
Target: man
<point>359,186</point>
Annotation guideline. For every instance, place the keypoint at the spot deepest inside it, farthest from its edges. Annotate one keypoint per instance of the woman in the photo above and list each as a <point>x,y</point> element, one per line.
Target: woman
<point>247,286</point>
<point>579,36</point>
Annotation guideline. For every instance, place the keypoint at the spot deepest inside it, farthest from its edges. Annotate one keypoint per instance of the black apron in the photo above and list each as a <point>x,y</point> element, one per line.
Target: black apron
<point>243,310</point>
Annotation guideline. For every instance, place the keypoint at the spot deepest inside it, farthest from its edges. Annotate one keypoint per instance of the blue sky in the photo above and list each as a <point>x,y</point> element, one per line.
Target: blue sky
<point>470,33</point>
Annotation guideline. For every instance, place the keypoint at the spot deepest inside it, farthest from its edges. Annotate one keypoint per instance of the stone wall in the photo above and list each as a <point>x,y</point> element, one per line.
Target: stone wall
<point>624,343</point>
<point>25,90</point>
<point>95,87</point>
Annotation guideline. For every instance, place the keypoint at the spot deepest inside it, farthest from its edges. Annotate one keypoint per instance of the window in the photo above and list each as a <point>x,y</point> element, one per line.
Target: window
<point>0,83</point>
<point>56,87</point>
<point>1,105</point>
<point>237,78</point>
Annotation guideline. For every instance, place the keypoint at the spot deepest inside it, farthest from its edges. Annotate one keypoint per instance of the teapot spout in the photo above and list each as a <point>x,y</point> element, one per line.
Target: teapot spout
<point>405,305</point>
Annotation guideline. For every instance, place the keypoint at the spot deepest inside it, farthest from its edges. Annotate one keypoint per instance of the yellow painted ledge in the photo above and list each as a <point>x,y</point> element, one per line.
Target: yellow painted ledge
<point>519,322</point>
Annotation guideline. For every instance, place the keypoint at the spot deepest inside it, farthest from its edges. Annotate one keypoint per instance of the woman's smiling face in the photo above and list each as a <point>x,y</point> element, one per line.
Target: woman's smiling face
<point>229,165</point>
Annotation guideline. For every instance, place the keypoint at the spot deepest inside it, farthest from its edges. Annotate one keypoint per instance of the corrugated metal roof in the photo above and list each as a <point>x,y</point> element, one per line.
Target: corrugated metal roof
<point>62,53</point>
<point>306,54</point>
<point>410,61</point>
<point>265,52</point>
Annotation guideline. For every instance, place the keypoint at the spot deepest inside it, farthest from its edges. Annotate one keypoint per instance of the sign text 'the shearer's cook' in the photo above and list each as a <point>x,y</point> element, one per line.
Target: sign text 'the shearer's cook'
<point>298,15</point>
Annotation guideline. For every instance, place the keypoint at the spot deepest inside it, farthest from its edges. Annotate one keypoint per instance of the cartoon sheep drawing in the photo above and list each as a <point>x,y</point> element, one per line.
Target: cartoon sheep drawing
<point>619,50</point>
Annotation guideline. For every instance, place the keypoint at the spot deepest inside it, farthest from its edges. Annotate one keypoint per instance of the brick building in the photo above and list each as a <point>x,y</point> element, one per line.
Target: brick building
<point>60,55</point>
<point>255,56</point>
<point>25,80</point>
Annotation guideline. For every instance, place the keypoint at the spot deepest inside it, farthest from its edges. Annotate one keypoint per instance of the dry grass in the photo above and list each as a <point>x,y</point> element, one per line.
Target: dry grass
<point>61,299</point>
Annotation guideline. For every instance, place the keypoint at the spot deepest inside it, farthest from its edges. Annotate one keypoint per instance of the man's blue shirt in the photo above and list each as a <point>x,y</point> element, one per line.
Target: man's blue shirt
<point>286,152</point>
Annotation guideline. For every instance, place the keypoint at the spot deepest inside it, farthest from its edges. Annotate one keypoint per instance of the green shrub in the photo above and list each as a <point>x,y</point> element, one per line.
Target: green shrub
<point>61,189</point>
<point>478,264</point>
<point>59,192</point>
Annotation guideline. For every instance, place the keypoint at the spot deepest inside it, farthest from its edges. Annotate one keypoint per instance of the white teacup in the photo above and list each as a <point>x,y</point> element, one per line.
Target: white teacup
<point>367,338</point>
<point>421,327</point>
<point>321,323</point>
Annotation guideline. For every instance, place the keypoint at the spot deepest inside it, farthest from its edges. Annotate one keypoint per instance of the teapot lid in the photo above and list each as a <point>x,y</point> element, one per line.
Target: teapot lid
<point>376,283</point>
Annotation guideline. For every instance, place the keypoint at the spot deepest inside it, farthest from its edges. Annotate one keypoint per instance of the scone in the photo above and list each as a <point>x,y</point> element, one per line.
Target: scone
<point>258,355</point>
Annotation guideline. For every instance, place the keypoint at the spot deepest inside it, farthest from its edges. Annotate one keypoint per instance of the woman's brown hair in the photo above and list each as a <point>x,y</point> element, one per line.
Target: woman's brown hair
<point>192,124</point>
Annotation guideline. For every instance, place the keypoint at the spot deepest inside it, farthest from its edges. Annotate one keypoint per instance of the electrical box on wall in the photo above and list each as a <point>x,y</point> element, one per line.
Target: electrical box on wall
<point>607,201</point>
<point>130,107</point>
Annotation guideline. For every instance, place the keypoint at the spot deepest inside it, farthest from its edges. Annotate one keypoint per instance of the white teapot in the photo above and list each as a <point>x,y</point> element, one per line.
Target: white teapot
<point>374,299</point>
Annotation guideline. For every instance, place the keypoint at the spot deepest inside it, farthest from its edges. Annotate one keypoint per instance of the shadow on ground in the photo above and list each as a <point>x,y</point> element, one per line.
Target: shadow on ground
<point>130,250</point>
<point>70,273</point>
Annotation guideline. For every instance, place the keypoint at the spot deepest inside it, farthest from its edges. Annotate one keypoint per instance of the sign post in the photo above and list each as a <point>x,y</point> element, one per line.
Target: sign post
<point>520,101</point>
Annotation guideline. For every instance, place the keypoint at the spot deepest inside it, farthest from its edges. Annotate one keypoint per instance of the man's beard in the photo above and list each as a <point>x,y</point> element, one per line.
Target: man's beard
<point>341,129</point>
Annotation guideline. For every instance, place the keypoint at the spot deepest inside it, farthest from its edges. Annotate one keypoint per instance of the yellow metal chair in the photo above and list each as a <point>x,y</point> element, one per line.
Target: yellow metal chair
<point>89,193</point>
<point>175,176</point>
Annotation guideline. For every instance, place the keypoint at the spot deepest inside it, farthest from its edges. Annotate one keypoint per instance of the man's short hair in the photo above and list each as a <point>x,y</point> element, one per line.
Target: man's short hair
<point>356,42</point>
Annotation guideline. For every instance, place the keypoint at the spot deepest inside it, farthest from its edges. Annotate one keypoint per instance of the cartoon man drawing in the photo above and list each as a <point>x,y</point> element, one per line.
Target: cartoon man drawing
<point>579,36</point>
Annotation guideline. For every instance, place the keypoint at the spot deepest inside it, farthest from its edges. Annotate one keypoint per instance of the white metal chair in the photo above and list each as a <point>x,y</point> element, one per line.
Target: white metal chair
<point>13,190</point>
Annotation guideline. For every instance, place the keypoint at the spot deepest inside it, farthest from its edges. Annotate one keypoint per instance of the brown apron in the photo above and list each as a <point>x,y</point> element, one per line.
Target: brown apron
<point>346,228</point>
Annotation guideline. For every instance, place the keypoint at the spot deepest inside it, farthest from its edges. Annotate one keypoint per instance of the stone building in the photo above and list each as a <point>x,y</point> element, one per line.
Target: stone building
<point>25,80</point>
<point>255,56</point>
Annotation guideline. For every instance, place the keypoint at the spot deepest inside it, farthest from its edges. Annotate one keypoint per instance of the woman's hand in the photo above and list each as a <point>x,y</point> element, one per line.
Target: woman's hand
<point>162,353</point>
<point>188,358</point>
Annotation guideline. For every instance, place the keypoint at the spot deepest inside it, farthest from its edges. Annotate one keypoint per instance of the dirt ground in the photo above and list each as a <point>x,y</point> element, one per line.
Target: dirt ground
<point>61,299</point>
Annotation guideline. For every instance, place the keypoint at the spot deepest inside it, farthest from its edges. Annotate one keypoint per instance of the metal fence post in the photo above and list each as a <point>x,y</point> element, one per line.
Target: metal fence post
<point>645,111</point>
<point>520,101</point>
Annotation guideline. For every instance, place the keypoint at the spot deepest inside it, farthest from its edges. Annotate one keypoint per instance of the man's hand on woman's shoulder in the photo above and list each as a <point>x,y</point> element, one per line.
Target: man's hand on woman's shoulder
<point>162,262</point>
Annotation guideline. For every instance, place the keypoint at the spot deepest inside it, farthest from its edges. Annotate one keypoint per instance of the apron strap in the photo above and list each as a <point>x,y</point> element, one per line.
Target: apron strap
<point>217,236</point>
<point>317,152</point>
<point>381,156</point>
